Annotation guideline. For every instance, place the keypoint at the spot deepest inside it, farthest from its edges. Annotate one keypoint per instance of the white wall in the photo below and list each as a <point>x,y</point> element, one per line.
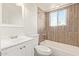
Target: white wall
<point>30,23</point>
<point>0,22</point>
<point>0,13</point>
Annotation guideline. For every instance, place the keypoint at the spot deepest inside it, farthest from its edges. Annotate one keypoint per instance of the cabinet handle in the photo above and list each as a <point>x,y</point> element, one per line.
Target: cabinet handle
<point>20,48</point>
<point>24,46</point>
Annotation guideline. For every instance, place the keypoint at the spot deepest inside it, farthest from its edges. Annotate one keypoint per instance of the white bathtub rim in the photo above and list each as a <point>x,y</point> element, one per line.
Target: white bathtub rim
<point>74,51</point>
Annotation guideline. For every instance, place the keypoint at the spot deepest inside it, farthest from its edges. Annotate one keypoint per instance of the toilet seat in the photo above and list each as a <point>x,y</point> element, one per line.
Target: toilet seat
<point>43,50</point>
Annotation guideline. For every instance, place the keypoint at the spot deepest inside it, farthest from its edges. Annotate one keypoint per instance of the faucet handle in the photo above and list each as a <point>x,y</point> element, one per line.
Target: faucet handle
<point>13,37</point>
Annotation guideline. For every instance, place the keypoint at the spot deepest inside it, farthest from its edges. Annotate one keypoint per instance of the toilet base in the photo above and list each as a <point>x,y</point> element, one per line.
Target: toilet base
<point>37,54</point>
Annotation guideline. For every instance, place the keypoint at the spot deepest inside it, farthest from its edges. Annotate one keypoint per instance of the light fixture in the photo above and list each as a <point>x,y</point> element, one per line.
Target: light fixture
<point>19,4</point>
<point>57,6</point>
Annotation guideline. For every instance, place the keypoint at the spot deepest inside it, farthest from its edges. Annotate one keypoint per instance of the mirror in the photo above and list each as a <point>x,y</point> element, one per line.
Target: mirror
<point>12,14</point>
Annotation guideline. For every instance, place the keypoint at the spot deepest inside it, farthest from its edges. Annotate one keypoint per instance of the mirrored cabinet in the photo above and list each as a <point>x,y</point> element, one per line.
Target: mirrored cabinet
<point>11,14</point>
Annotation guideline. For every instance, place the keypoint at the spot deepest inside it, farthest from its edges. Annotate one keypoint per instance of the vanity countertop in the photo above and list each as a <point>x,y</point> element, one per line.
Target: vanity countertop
<point>5,43</point>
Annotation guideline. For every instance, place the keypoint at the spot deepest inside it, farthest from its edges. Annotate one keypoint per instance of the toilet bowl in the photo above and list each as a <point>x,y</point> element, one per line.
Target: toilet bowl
<point>42,50</point>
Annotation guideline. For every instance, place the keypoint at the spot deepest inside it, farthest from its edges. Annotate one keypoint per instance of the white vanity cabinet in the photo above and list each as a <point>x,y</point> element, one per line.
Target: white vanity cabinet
<point>22,49</point>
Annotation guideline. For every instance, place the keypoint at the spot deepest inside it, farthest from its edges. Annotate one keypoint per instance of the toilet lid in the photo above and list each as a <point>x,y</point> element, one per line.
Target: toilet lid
<point>43,50</point>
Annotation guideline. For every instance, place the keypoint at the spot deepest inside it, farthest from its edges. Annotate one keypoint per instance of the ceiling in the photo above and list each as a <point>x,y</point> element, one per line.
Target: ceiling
<point>51,6</point>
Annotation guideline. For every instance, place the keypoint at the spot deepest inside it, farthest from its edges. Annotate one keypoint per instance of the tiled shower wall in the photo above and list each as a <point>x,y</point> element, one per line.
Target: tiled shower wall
<point>68,34</point>
<point>41,25</point>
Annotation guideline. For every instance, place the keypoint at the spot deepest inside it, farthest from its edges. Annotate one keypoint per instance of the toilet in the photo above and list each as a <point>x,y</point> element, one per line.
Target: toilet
<point>43,50</point>
<point>40,50</point>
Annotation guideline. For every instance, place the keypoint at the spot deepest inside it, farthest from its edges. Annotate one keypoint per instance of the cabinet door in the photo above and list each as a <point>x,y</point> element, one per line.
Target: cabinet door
<point>27,49</point>
<point>10,52</point>
<point>24,49</point>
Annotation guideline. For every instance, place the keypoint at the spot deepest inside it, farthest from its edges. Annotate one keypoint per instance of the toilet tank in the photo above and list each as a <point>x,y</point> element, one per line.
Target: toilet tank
<point>36,39</point>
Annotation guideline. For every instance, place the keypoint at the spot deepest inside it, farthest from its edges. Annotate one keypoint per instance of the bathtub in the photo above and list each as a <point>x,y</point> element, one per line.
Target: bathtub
<point>60,49</point>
